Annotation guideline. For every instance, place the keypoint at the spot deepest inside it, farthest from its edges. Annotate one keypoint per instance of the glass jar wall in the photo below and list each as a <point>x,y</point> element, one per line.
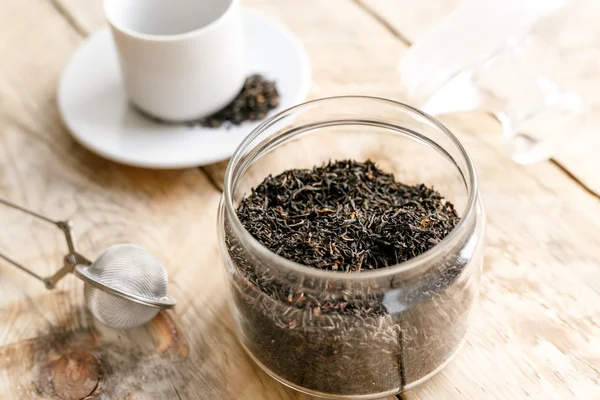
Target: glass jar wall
<point>366,334</point>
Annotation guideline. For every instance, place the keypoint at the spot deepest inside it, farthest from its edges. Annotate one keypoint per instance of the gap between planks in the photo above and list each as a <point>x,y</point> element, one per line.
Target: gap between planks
<point>211,179</point>
<point>71,20</point>
<point>389,27</point>
<point>574,178</point>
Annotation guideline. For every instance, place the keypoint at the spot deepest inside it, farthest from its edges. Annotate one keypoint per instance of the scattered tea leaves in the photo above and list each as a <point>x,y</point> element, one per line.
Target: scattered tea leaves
<point>257,98</point>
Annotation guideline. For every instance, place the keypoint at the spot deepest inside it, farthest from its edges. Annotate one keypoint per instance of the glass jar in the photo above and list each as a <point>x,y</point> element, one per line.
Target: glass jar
<point>354,335</point>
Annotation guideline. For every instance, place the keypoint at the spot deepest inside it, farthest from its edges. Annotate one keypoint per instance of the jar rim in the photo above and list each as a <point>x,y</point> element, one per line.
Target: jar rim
<point>425,258</point>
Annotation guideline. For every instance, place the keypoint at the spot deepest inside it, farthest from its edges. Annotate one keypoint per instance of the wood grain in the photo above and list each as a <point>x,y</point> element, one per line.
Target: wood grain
<point>538,334</point>
<point>190,353</point>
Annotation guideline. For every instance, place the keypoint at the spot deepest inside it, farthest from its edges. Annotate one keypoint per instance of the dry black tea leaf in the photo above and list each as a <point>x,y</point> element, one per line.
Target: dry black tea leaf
<point>256,99</point>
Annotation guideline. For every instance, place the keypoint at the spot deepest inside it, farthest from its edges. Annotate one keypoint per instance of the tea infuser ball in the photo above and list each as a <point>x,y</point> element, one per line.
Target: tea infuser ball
<point>130,269</point>
<point>125,287</point>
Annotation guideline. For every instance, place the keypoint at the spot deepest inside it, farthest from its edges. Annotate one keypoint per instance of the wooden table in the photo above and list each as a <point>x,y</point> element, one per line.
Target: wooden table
<point>538,334</point>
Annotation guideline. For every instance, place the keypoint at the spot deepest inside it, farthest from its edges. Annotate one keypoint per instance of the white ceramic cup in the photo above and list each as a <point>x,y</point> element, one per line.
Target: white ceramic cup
<point>180,59</point>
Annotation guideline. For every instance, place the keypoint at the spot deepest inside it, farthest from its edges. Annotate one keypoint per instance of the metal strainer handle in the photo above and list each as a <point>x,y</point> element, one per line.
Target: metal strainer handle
<point>165,302</point>
<point>79,265</point>
<point>70,261</point>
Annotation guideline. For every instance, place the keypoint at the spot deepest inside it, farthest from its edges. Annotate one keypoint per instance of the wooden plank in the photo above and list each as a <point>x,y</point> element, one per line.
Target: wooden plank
<point>524,343</point>
<point>191,353</point>
<point>412,20</point>
<point>537,334</point>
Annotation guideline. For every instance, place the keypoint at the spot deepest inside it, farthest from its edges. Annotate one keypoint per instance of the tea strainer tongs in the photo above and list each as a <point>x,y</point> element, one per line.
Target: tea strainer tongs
<point>125,287</point>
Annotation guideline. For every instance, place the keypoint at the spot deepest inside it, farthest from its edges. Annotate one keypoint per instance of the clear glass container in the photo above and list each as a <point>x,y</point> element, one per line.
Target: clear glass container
<point>380,332</point>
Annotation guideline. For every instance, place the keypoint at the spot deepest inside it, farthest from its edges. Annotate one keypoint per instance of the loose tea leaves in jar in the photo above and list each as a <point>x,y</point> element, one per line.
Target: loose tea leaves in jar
<point>345,216</point>
<point>348,217</point>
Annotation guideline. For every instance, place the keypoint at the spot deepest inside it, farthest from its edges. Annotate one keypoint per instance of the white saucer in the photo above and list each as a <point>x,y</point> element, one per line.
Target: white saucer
<point>95,109</point>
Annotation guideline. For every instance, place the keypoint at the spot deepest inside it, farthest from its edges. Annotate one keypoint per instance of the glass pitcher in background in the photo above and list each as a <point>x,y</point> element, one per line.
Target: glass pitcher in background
<point>534,64</point>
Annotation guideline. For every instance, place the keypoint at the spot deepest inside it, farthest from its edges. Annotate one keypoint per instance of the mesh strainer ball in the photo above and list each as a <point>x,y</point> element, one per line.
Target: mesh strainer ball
<point>125,287</point>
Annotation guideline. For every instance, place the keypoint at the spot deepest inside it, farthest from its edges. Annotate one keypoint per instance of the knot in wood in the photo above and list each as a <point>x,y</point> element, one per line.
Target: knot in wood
<point>76,375</point>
